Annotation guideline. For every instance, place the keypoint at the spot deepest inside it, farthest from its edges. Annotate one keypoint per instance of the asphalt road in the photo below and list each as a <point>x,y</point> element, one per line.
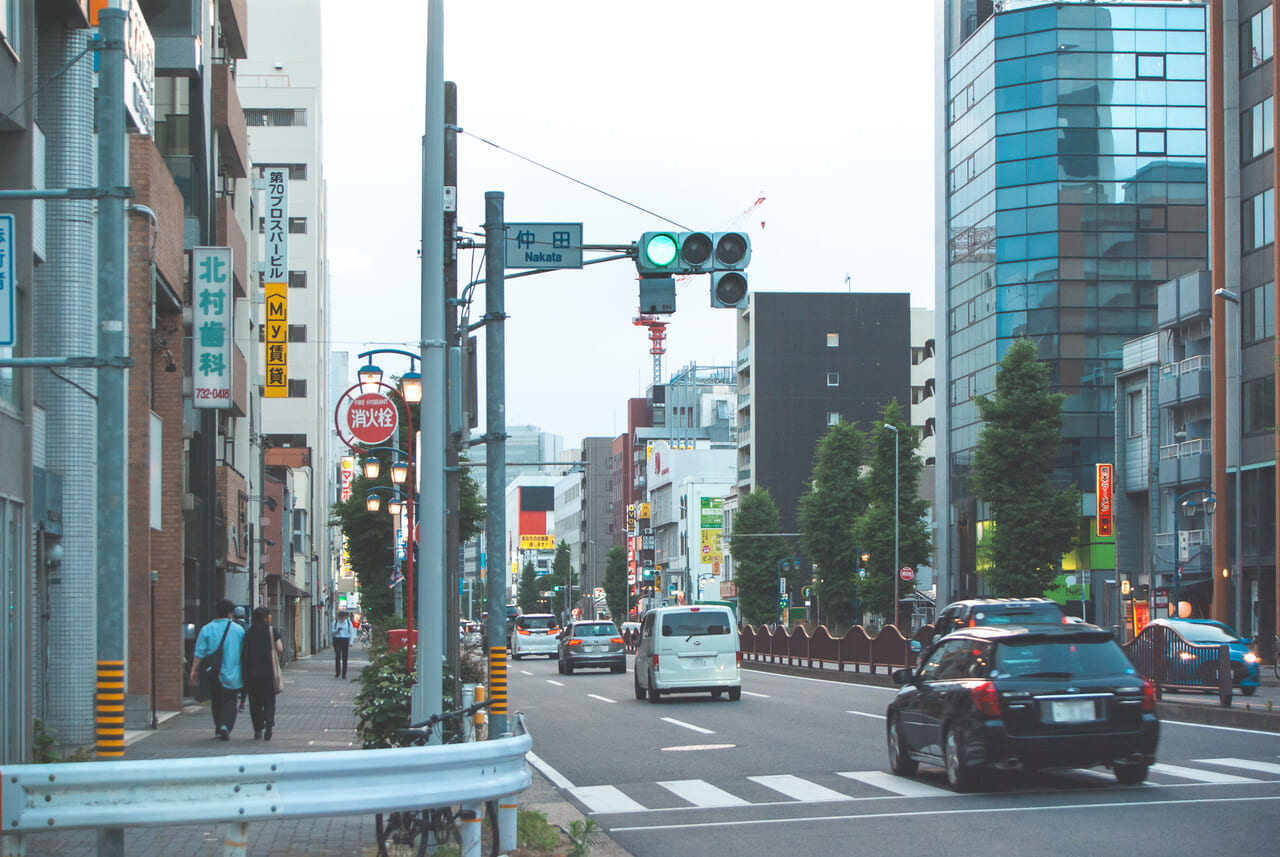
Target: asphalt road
<point>798,765</point>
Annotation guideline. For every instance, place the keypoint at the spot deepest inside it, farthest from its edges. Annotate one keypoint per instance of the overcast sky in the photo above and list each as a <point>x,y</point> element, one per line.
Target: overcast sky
<point>692,109</point>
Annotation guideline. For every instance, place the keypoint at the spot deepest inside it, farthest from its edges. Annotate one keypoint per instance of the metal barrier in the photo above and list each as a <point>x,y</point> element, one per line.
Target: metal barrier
<point>1169,660</point>
<point>112,796</point>
<point>817,649</point>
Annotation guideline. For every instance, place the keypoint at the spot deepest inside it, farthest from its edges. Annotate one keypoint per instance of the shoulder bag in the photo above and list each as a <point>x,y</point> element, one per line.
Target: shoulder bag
<point>212,665</point>
<point>276,681</point>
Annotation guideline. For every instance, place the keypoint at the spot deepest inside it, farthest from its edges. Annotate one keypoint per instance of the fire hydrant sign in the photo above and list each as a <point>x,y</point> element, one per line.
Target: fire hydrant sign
<point>211,327</point>
<point>372,418</point>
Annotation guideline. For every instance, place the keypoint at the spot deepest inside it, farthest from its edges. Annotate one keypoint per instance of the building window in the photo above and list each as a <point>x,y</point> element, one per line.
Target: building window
<point>1137,413</point>
<point>833,340</point>
<point>1258,401</point>
<point>297,279</point>
<point>10,25</point>
<point>1255,41</point>
<point>297,388</point>
<point>1151,142</point>
<point>275,117</point>
<point>833,379</point>
<point>297,333</point>
<point>298,225</point>
<point>1151,66</point>
<point>833,418</point>
<point>297,172</point>
<point>1258,313</point>
<point>919,354</point>
<point>1257,227</point>
<point>1256,132</point>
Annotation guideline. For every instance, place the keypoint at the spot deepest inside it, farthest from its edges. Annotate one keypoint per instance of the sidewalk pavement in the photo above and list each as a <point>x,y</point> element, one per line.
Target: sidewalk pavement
<point>313,713</point>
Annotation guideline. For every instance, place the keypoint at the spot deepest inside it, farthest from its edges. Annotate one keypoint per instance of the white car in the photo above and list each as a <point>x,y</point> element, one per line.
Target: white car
<point>535,634</point>
<point>691,649</point>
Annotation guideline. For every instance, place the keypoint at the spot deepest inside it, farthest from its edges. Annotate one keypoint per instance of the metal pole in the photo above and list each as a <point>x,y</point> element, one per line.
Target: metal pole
<point>410,541</point>
<point>428,692</point>
<point>453,476</point>
<point>894,429</point>
<point>495,416</point>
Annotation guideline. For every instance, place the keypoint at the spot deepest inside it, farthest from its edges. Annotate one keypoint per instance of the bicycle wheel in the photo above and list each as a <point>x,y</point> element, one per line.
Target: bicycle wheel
<point>399,828</point>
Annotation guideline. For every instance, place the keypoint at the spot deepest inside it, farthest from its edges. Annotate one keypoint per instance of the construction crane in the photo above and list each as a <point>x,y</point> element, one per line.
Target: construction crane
<point>658,327</point>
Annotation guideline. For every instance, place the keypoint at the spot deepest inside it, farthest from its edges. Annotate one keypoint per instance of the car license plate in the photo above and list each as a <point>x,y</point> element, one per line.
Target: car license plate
<point>1072,711</point>
<point>590,648</point>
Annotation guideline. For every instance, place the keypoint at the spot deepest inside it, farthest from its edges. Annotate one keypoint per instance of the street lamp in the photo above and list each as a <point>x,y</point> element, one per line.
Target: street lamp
<point>702,578</point>
<point>786,563</point>
<point>370,378</point>
<point>1188,501</point>
<point>894,429</point>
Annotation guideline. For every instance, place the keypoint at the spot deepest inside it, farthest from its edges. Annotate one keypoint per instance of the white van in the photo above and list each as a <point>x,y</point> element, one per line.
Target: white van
<point>691,649</point>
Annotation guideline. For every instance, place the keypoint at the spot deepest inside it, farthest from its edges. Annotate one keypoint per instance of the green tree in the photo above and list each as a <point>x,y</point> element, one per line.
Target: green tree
<point>563,576</point>
<point>471,506</point>
<point>615,583</point>
<point>826,517</point>
<point>873,529</point>
<point>755,557</point>
<point>1035,522</point>
<point>369,545</point>
<point>527,594</point>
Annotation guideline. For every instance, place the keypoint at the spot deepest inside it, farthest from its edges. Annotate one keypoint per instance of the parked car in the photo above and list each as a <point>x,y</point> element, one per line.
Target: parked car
<point>1014,697</point>
<point>692,649</point>
<point>534,634</point>
<point>1203,663</point>
<point>976,612</point>
<point>591,643</point>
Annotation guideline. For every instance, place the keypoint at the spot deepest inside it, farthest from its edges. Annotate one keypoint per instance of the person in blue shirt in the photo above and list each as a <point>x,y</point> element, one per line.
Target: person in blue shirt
<point>221,633</point>
<point>342,631</point>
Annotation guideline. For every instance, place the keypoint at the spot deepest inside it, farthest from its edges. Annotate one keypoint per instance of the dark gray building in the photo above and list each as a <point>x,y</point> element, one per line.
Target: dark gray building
<point>806,361</point>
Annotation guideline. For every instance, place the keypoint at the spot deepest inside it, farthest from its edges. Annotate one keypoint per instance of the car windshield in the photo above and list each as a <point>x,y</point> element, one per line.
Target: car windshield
<point>538,622</point>
<point>1195,633</point>
<point>1021,614</point>
<point>595,629</point>
<point>693,624</point>
<point>1060,659</point>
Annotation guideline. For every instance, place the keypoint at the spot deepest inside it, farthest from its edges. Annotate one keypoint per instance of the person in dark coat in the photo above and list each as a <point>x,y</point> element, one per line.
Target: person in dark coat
<point>256,668</point>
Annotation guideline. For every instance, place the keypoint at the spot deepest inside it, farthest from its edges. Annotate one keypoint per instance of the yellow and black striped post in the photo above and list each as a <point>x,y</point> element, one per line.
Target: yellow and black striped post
<point>108,707</point>
<point>498,684</point>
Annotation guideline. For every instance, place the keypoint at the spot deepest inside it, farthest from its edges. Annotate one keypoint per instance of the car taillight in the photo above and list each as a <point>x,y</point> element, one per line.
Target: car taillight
<point>573,643</point>
<point>738,657</point>
<point>985,699</point>
<point>655,663</point>
<point>1148,696</point>
<point>617,640</point>
<point>523,631</point>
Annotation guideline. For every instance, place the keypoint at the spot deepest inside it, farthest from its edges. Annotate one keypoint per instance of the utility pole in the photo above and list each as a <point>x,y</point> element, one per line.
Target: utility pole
<point>453,565</point>
<point>495,415</point>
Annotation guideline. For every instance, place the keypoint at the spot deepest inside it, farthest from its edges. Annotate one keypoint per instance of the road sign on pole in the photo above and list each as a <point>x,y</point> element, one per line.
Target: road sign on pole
<point>906,573</point>
<point>544,245</point>
<point>372,418</point>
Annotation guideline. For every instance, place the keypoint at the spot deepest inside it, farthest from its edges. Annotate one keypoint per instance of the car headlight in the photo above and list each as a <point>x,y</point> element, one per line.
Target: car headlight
<point>1250,658</point>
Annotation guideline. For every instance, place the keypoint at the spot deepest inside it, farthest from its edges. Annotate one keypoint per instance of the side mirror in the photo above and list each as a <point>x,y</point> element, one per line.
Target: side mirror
<point>903,676</point>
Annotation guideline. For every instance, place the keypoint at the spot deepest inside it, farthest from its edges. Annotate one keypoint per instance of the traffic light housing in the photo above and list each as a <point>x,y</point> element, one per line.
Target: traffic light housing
<point>732,251</point>
<point>729,289</point>
<point>658,253</point>
<point>666,254</point>
<point>697,252</point>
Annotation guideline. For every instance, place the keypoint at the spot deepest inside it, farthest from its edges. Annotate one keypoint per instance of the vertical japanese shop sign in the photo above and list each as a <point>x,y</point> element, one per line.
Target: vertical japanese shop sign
<point>1104,499</point>
<point>711,523</point>
<point>6,280</point>
<point>276,284</point>
<point>211,327</point>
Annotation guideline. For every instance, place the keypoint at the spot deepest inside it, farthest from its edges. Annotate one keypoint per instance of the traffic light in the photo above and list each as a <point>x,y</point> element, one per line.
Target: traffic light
<point>723,255</point>
<point>729,289</point>
<point>658,253</point>
<point>733,251</point>
<point>696,252</point>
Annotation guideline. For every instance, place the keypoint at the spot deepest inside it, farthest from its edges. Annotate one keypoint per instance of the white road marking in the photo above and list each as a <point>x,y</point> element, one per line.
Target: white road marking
<point>1246,764</point>
<point>1200,776</point>
<point>1054,808</point>
<point>866,714</point>
<point>800,789</point>
<point>897,785</point>
<point>525,672</point>
<point>605,799</point>
<point>556,683</point>
<point>557,779</point>
<point>602,698</point>
<point>685,748</point>
<point>702,793</point>
<point>760,695</point>
<point>1164,723</point>
<point>675,722</point>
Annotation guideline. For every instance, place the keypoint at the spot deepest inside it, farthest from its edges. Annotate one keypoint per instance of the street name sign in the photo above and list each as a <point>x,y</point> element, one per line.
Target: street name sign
<point>546,246</point>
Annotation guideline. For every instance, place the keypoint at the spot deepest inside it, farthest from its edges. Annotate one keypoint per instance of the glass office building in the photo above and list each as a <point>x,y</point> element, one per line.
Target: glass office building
<point>1074,183</point>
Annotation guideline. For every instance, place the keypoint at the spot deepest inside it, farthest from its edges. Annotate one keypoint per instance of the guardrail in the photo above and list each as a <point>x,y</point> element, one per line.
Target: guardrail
<point>855,649</point>
<point>1169,660</point>
<point>112,796</point>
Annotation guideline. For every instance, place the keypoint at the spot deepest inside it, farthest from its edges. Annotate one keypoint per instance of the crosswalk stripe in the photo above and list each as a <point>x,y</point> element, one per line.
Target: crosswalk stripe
<point>897,785</point>
<point>702,793</point>
<point>1199,776</point>
<point>1246,764</point>
<point>798,788</point>
<point>605,799</point>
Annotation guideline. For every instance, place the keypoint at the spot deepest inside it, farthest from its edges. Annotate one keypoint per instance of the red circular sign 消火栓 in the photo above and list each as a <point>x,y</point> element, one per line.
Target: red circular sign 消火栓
<point>906,573</point>
<point>372,418</point>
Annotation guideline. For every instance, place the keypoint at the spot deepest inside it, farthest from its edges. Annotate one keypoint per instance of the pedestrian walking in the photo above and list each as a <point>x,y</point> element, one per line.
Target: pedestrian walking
<point>260,664</point>
<point>239,618</point>
<point>218,651</point>
<point>342,632</point>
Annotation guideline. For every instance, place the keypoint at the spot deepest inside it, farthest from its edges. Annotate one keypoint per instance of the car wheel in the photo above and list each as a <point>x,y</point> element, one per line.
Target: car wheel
<point>960,777</point>
<point>560,666</point>
<point>654,698</point>
<point>639,689</point>
<point>568,667</point>
<point>618,668</point>
<point>735,693</point>
<point>1249,691</point>
<point>515,656</point>
<point>899,762</point>
<point>1130,774</point>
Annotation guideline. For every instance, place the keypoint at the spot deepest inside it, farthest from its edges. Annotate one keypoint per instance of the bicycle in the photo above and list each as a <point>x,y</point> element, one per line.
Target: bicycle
<point>433,825</point>
<point>1275,654</point>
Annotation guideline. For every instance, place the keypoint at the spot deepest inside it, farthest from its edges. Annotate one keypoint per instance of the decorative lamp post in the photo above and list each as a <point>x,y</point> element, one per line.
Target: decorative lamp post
<point>370,378</point>
<point>894,429</point>
<point>1188,501</point>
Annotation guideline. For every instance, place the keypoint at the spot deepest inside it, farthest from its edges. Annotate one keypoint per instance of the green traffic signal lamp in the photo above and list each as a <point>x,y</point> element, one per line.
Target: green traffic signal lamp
<point>657,252</point>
